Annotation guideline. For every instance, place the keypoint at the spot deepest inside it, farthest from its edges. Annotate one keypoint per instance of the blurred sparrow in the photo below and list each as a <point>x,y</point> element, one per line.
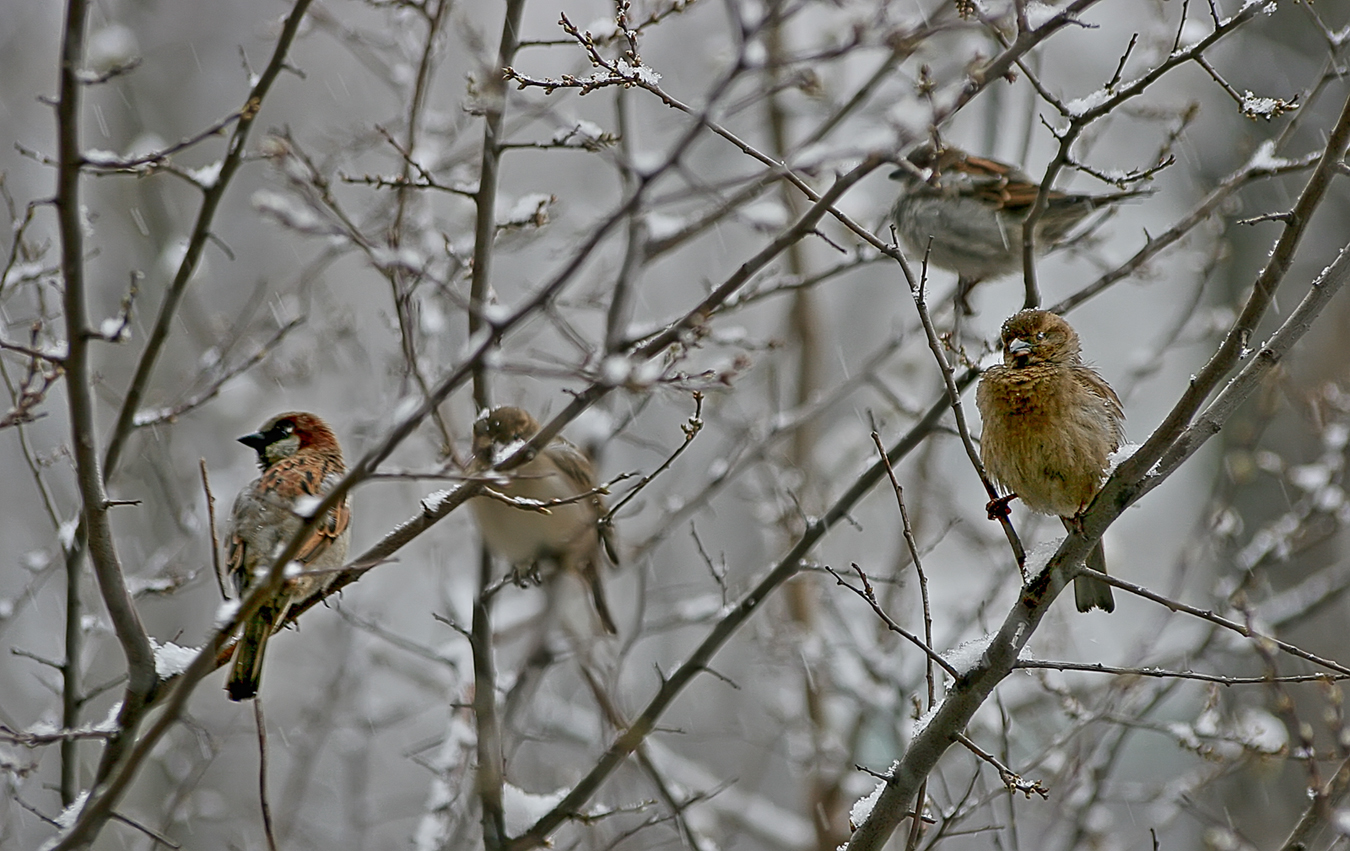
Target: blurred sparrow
<point>569,534</point>
<point>300,460</point>
<point>1050,423</point>
<point>972,209</point>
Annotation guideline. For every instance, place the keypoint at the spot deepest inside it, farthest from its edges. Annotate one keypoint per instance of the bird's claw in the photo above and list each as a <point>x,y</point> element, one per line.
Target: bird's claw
<point>525,576</point>
<point>998,508</point>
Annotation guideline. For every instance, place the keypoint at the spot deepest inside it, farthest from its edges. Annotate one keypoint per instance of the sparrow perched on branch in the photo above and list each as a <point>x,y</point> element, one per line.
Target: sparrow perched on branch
<point>973,208</point>
<point>570,534</point>
<point>1050,424</point>
<point>300,460</point>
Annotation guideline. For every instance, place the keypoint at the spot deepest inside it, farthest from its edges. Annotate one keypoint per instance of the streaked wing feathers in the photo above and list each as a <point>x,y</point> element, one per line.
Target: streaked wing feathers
<point>577,467</point>
<point>279,487</point>
<point>1088,377</point>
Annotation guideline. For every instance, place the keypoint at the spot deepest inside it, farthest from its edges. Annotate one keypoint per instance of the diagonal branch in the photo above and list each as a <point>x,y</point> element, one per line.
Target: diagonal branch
<point>1235,343</point>
<point>1121,490</point>
<point>698,661</point>
<point>201,232</point>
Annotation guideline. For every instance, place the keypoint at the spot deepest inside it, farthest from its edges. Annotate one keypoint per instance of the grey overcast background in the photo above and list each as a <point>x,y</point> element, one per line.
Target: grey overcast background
<point>370,728</point>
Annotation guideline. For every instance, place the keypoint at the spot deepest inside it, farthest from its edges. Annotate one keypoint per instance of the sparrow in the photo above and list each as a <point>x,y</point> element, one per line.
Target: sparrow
<point>300,460</point>
<point>972,209</point>
<point>569,535</point>
<point>1050,424</point>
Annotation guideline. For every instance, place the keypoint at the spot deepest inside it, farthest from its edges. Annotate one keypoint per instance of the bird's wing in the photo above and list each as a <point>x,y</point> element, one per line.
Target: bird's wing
<point>236,548</point>
<point>1088,378</point>
<point>573,463</point>
<point>610,540</point>
<point>580,473</point>
<point>328,530</point>
<point>309,475</point>
<point>993,183</point>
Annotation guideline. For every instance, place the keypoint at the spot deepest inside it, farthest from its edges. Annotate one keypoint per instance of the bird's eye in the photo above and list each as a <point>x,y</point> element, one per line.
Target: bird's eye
<point>286,426</point>
<point>1040,335</point>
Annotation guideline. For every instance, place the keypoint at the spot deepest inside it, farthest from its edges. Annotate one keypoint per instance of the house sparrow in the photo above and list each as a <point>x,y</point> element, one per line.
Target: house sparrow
<point>570,534</point>
<point>972,209</point>
<point>300,458</point>
<point>1050,423</point>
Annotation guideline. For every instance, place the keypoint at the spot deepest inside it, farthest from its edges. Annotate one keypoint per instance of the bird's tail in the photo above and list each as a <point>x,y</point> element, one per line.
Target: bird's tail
<point>591,573</point>
<point>1099,201</point>
<point>246,672</point>
<point>1092,593</point>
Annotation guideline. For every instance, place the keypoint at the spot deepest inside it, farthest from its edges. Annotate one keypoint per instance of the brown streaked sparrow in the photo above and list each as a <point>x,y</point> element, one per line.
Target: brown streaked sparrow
<point>1050,426</point>
<point>972,209</point>
<point>570,534</point>
<point>300,460</point>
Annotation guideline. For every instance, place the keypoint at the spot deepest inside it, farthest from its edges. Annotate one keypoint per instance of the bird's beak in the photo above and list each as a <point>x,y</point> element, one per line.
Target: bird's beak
<point>909,172</point>
<point>257,440</point>
<point>1016,347</point>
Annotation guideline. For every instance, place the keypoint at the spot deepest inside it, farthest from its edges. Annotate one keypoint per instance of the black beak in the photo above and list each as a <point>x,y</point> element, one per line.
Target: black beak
<point>256,441</point>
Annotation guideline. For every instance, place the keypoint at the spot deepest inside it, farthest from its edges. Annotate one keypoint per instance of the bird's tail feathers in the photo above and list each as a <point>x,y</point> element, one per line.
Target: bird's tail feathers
<point>1089,592</point>
<point>246,673</point>
<point>591,573</point>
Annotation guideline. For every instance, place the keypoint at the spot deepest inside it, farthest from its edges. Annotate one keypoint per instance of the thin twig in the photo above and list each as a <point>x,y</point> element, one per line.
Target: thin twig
<point>211,528</point>
<point>1011,779</point>
<point>908,532</point>
<point>1172,673</point>
<point>1316,817</point>
<point>155,416</point>
<point>1206,615</point>
<point>870,597</point>
<point>32,740</point>
<point>262,775</point>
<point>958,411</point>
<point>664,787</point>
<point>201,233</point>
<point>691,430</point>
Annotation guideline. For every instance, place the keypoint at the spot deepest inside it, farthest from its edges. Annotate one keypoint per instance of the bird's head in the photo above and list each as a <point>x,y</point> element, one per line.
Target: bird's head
<point>501,427</point>
<point>286,434</point>
<point>1037,336</point>
<point>926,163</point>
